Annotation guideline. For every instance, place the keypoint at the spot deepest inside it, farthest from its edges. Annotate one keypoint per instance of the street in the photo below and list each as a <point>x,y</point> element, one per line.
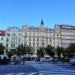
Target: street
<point>11,69</point>
<point>34,68</point>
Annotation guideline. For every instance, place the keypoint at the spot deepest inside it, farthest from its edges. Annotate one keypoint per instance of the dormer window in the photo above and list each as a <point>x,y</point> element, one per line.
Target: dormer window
<point>8,34</point>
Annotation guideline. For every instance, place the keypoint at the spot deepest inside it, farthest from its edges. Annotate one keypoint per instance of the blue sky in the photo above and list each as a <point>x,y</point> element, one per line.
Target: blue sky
<point>20,12</point>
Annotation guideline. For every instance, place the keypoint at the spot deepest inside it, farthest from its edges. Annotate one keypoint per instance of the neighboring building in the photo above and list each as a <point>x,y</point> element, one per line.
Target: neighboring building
<point>64,35</point>
<point>13,37</point>
<point>38,36</point>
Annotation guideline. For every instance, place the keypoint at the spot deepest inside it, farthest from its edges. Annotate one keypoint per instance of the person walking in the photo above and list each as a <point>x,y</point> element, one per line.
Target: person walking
<point>14,60</point>
<point>41,60</point>
<point>23,60</point>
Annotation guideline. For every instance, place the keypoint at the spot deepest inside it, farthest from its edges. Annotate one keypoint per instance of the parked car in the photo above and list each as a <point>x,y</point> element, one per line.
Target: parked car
<point>72,61</point>
<point>47,59</point>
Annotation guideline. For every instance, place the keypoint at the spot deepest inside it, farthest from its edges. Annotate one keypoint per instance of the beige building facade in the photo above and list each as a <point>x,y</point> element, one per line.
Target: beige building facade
<point>41,36</point>
<point>38,36</point>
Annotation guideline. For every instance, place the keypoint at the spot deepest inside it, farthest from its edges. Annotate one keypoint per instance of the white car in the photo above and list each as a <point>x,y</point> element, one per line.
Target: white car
<point>72,61</point>
<point>47,59</point>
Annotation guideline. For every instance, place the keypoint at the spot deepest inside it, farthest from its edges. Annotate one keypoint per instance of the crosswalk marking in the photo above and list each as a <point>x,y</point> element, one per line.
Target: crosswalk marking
<point>45,73</point>
<point>33,73</point>
<point>15,74</point>
<point>10,74</point>
<point>21,74</point>
<point>57,73</point>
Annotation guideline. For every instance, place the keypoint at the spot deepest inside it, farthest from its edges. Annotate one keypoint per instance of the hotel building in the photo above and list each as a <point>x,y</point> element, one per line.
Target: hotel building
<point>38,36</point>
<point>41,36</point>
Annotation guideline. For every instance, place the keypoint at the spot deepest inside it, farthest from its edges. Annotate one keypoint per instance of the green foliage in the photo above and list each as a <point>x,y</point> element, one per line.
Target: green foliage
<point>21,50</point>
<point>50,51</point>
<point>11,52</point>
<point>29,50</point>
<point>28,59</point>
<point>59,51</point>
<point>71,48</point>
<point>41,52</point>
<point>4,61</point>
<point>24,49</point>
<point>1,48</point>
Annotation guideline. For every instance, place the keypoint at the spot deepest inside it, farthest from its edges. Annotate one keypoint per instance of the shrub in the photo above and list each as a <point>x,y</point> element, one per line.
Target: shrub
<point>28,59</point>
<point>4,61</point>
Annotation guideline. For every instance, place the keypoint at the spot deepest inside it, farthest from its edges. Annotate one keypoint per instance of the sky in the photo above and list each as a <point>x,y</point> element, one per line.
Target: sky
<point>30,12</point>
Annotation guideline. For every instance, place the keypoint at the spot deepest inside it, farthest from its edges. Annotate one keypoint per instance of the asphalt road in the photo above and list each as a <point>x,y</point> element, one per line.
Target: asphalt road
<point>34,68</point>
<point>17,69</point>
<point>67,66</point>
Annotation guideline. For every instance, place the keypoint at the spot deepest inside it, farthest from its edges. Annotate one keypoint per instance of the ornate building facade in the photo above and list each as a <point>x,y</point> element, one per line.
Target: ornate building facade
<point>41,36</point>
<point>38,36</point>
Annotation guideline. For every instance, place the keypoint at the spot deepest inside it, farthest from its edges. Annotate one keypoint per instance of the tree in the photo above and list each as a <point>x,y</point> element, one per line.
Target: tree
<point>24,49</point>
<point>59,51</point>
<point>50,51</point>
<point>1,48</point>
<point>70,51</point>
<point>40,52</point>
<point>11,52</point>
<point>71,48</point>
<point>21,50</point>
<point>29,50</point>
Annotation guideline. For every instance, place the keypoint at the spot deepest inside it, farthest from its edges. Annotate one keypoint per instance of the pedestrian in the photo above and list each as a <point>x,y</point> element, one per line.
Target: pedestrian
<point>14,60</point>
<point>38,59</point>
<point>23,60</point>
<point>54,60</point>
<point>41,60</point>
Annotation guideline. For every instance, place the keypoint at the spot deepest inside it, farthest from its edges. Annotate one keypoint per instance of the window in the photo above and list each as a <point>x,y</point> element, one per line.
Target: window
<point>33,39</point>
<point>57,35</point>
<point>12,45</point>
<point>50,40</point>
<point>19,34</point>
<point>8,34</point>
<point>33,44</point>
<point>29,43</point>
<point>42,44</point>
<point>29,39</point>
<point>25,34</point>
<point>19,40</point>
<point>33,34</point>
<point>29,34</point>
<point>37,44</point>
<point>37,39</point>
<point>7,40</point>
<point>46,39</point>
<point>1,38</point>
<point>6,45</point>
<point>42,39</point>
